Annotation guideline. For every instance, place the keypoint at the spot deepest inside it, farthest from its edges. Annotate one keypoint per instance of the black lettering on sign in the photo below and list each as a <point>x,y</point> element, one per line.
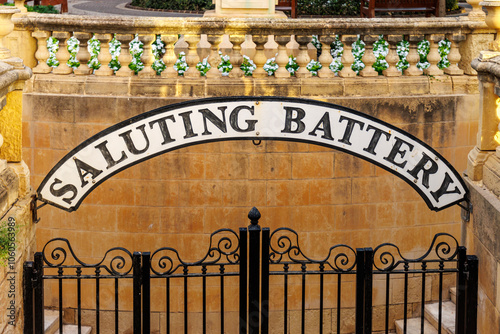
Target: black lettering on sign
<point>63,190</point>
<point>289,119</point>
<point>377,133</point>
<point>420,167</point>
<point>162,123</point>
<point>234,119</point>
<point>84,170</point>
<point>130,144</point>
<point>323,125</point>
<point>107,155</point>
<point>348,130</point>
<point>219,123</point>
<point>443,190</point>
<point>397,150</point>
<point>188,126</point>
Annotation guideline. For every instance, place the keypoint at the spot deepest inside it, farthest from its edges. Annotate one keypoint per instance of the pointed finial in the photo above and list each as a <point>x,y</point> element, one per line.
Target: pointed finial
<point>254,216</point>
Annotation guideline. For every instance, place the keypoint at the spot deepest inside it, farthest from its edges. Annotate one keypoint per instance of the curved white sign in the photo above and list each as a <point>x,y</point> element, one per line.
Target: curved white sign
<point>251,118</point>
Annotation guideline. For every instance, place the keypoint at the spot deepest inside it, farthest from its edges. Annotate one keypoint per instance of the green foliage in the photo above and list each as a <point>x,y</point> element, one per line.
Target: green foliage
<point>38,8</point>
<point>451,5</point>
<point>329,7</point>
<point>8,235</point>
<point>199,5</point>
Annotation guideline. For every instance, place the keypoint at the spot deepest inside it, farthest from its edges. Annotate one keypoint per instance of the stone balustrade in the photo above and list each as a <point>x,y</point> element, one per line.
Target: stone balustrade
<point>203,37</point>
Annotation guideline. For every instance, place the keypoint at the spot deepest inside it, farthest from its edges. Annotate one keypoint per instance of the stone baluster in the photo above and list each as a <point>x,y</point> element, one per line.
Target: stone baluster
<point>192,58</point>
<point>62,54</point>
<point>104,56</point>
<point>326,57</point>
<point>454,55</point>
<point>282,57</point>
<point>413,57</point>
<point>169,57</point>
<point>6,27</point>
<point>20,5</point>
<point>42,53</point>
<point>433,57</point>
<point>347,57</point>
<point>476,13</point>
<point>125,58</point>
<point>493,21</point>
<point>303,57</point>
<point>214,58</point>
<point>83,54</point>
<point>260,57</point>
<point>392,57</point>
<point>236,56</point>
<point>147,57</point>
<point>369,57</point>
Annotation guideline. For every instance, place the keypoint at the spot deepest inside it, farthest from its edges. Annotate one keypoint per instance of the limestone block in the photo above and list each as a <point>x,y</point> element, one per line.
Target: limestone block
<point>23,173</point>
<point>11,127</point>
<point>470,48</point>
<point>491,174</point>
<point>21,44</point>
<point>488,120</point>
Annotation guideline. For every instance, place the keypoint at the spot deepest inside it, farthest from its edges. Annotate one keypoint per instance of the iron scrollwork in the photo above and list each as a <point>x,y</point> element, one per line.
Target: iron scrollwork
<point>120,264</point>
<point>340,258</point>
<point>444,251</point>
<point>223,249</point>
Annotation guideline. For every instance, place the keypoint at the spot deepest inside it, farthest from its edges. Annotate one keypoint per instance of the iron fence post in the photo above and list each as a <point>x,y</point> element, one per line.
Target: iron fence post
<point>136,271</point>
<point>243,279</point>
<point>146,292</point>
<point>38,289</point>
<point>264,325</point>
<point>368,282</point>
<point>28,297</point>
<point>471,293</point>
<point>461,292</point>
<point>360,289</point>
<point>254,272</point>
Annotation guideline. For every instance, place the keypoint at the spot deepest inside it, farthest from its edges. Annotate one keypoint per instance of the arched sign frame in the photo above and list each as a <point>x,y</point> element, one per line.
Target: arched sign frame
<point>195,122</point>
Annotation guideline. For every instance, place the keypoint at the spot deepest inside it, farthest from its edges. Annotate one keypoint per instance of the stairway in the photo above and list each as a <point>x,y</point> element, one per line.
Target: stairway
<point>51,319</point>
<point>431,318</point>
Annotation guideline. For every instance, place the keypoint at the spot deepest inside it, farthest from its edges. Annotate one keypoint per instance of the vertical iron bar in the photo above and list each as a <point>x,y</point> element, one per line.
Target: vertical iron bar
<point>321,269</point>
<point>116,306</point>
<point>422,303</point>
<point>136,265</point>
<point>405,324</point>
<point>387,289</point>
<point>38,288</point>
<point>339,300</point>
<point>28,297</point>
<point>97,301</point>
<point>168,305</point>
<point>360,289</point>
<point>222,269</point>
<point>303,311</point>
<point>243,280</point>
<point>60,272</point>
<point>146,292</point>
<point>204,302</point>
<point>368,290</point>
<point>285,297</point>
<point>472,285</point>
<point>460,324</point>
<point>185,270</point>
<point>79,298</point>
<point>254,278</point>
<point>264,325</point>
<point>440,305</point>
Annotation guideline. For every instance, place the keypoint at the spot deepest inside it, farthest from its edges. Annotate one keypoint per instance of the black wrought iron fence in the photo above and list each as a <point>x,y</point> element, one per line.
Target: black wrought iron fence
<point>260,274</point>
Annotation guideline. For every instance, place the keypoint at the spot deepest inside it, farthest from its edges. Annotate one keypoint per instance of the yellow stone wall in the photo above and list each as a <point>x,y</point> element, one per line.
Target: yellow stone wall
<point>11,127</point>
<point>179,198</point>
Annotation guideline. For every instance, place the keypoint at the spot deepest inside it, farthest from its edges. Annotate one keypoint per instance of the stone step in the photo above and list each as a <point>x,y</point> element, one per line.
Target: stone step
<point>51,321</point>
<point>414,326</point>
<point>73,329</point>
<point>448,316</point>
<point>453,294</point>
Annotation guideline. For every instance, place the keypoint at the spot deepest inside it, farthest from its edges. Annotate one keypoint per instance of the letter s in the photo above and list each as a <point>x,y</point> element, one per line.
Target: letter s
<point>63,190</point>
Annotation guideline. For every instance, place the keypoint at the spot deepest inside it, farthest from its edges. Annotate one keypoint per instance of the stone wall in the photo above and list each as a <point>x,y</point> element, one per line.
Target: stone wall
<point>15,197</point>
<point>179,198</point>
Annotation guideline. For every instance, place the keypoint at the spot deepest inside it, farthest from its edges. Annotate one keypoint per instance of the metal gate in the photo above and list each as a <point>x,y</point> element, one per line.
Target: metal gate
<point>260,265</point>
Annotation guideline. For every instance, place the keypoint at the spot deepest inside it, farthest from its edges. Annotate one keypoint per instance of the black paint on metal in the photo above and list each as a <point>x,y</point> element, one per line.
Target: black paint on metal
<point>28,297</point>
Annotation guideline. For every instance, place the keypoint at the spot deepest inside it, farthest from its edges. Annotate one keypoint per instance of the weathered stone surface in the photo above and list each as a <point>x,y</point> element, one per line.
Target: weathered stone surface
<point>11,128</point>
